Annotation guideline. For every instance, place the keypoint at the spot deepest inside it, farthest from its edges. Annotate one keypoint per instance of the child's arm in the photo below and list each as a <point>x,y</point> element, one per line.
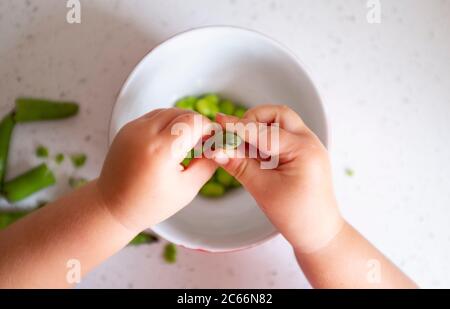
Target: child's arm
<point>36,250</point>
<point>298,198</point>
<point>350,261</point>
<point>133,192</point>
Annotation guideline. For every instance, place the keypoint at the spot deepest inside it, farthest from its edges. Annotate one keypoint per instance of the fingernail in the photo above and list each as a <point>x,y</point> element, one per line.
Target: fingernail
<point>221,158</point>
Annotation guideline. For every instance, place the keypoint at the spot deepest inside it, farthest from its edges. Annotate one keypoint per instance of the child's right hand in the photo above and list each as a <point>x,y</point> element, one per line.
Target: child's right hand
<point>297,195</point>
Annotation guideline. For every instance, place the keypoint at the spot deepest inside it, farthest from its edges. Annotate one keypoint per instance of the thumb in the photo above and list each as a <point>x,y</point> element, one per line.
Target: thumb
<point>199,171</point>
<point>245,170</point>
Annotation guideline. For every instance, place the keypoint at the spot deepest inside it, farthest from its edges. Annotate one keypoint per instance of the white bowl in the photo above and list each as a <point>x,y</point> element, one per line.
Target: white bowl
<point>239,64</point>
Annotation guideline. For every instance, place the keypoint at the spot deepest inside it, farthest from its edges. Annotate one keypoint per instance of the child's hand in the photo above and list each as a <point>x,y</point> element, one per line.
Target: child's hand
<point>297,195</point>
<point>142,181</point>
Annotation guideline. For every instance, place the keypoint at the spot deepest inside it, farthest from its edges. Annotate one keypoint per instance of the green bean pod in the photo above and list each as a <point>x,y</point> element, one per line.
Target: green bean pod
<point>6,128</point>
<point>28,109</point>
<point>28,183</point>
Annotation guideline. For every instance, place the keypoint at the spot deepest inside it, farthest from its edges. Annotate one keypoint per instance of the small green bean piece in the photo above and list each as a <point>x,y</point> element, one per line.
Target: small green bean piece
<point>170,253</point>
<point>240,111</point>
<point>143,238</point>
<point>28,109</point>
<point>6,129</point>
<point>186,103</point>
<point>227,107</point>
<point>75,183</point>
<point>212,189</point>
<point>59,158</point>
<point>78,160</point>
<point>349,172</point>
<point>28,183</point>
<point>223,177</point>
<point>41,152</point>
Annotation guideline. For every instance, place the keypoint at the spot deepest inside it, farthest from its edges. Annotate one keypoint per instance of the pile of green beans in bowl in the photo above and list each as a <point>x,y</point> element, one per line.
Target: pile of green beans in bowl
<point>209,105</point>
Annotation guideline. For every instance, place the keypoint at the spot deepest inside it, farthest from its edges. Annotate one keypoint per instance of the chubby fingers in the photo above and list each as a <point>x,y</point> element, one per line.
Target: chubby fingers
<point>175,132</point>
<point>184,132</point>
<point>281,114</point>
<point>245,170</point>
<point>198,172</point>
<point>161,118</point>
<point>269,139</point>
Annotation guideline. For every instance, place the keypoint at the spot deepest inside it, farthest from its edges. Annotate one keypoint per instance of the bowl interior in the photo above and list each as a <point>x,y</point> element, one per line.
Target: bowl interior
<point>241,65</point>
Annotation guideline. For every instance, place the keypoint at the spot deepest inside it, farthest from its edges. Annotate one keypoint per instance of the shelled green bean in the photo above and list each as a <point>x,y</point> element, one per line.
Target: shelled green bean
<point>170,253</point>
<point>212,189</point>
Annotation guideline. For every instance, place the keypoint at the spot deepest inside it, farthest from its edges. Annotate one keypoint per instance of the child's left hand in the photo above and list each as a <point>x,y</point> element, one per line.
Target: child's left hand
<point>142,182</point>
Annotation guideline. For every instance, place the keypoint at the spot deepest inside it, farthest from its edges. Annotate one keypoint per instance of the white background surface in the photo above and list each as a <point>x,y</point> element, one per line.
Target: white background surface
<point>386,89</point>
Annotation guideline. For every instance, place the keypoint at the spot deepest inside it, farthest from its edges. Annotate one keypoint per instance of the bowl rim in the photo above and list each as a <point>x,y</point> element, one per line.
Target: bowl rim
<point>287,51</point>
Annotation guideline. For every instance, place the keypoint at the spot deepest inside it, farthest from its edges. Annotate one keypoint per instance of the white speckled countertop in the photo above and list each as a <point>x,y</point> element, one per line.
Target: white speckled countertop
<point>386,89</point>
